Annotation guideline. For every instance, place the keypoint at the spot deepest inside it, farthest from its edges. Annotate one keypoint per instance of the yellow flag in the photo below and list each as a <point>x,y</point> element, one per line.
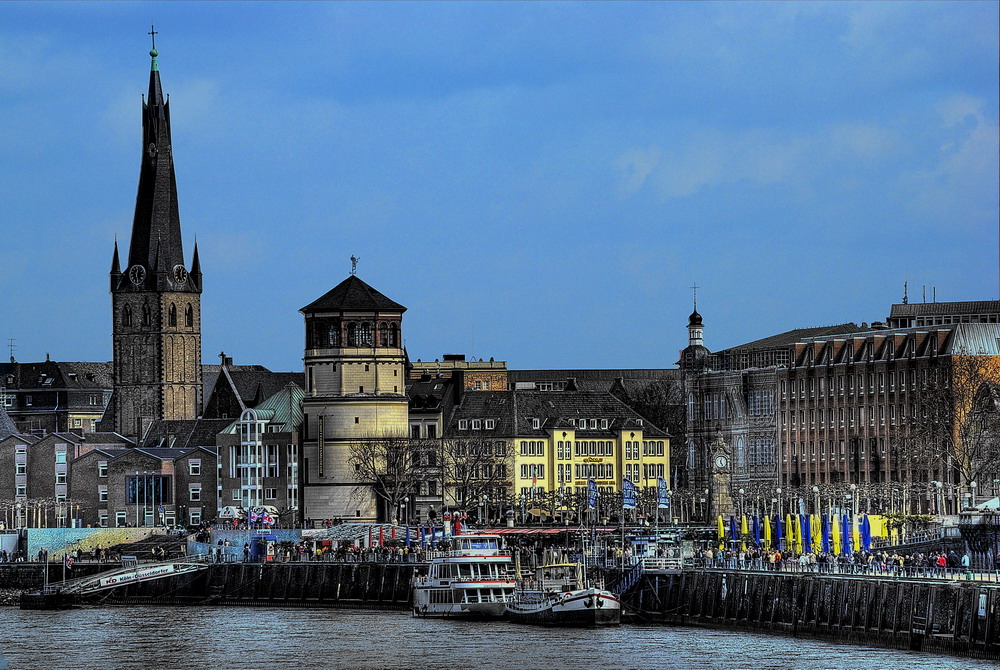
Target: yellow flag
<point>835,534</point>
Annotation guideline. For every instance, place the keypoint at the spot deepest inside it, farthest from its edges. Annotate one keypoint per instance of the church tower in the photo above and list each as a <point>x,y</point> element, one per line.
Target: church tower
<point>156,299</point>
<point>355,391</point>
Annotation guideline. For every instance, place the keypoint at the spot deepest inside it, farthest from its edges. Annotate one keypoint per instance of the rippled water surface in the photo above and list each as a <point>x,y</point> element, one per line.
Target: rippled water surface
<point>251,638</point>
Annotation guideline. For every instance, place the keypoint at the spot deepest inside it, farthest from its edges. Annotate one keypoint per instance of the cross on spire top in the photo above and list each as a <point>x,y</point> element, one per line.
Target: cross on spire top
<point>152,33</point>
<point>694,290</point>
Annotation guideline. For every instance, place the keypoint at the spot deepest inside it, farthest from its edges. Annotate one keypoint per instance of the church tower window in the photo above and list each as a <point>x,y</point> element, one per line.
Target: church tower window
<point>333,335</point>
<point>147,318</point>
<point>352,334</point>
<point>127,316</point>
<point>366,334</point>
<point>172,315</point>
<point>383,334</point>
<point>393,335</point>
<point>189,316</point>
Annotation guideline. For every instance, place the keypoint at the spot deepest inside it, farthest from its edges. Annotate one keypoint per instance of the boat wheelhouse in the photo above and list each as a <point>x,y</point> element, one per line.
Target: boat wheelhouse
<point>474,578</point>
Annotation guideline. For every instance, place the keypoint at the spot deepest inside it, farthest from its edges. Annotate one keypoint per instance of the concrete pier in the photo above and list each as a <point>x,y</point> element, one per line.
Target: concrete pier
<point>919,614</point>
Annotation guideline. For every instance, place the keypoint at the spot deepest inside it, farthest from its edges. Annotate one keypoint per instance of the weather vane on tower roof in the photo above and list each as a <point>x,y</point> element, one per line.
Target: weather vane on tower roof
<point>354,264</point>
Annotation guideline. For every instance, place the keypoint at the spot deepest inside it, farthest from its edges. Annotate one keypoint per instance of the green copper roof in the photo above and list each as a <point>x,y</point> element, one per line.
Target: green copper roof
<point>283,409</point>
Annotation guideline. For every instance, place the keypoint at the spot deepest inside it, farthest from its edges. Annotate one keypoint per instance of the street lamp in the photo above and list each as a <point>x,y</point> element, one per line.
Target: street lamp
<point>816,499</point>
<point>743,505</point>
<point>972,487</point>
<point>781,512</point>
<point>853,497</point>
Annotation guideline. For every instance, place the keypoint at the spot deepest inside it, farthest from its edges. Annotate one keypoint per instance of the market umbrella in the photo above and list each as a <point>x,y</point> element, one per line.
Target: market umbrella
<point>767,532</point>
<point>817,533</point>
<point>790,532</point>
<point>733,533</point>
<point>835,534</point>
<point>722,533</point>
<point>407,536</point>
<point>744,531</point>
<point>866,534</point>
<point>756,531</point>
<point>845,533</point>
<point>856,532</point>
<point>805,538</point>
<point>825,529</point>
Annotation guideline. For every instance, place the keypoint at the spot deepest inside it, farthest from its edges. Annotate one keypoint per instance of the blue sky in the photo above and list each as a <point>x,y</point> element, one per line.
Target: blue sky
<point>536,182</point>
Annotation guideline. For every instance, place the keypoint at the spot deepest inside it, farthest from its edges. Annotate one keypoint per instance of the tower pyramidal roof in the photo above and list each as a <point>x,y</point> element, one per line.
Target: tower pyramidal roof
<point>353,294</point>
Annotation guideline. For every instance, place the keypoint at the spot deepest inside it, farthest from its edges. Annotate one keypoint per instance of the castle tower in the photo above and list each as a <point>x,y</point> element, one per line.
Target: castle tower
<point>355,390</point>
<point>156,300</point>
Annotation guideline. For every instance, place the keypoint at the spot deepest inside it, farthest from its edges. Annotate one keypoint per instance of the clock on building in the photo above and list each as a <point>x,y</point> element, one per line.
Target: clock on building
<point>180,274</point>
<point>721,462</point>
<point>137,274</point>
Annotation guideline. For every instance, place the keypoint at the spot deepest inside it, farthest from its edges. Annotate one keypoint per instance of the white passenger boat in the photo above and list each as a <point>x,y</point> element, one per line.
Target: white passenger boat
<point>475,579</point>
<point>560,596</point>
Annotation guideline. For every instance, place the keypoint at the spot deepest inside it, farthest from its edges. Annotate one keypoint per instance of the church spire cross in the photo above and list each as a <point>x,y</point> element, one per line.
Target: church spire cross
<point>152,33</point>
<point>694,291</point>
<point>354,264</point>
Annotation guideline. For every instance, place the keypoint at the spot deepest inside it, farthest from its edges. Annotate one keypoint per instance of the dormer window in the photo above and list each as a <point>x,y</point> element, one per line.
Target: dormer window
<point>604,424</point>
<point>490,424</point>
<point>477,424</point>
<point>638,422</point>
<point>536,423</point>
<point>463,424</point>
<point>593,424</point>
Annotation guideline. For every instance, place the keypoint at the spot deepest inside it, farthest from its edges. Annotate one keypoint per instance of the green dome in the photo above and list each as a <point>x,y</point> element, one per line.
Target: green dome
<point>154,53</point>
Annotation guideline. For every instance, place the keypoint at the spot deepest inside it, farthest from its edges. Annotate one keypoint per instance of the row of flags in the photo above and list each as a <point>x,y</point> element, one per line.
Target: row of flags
<point>803,533</point>
<point>629,494</point>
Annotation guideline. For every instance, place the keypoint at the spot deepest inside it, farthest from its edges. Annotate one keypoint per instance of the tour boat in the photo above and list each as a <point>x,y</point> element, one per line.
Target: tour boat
<point>560,596</point>
<point>474,579</point>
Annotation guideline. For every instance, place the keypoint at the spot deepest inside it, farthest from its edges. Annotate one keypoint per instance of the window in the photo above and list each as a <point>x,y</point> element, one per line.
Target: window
<point>366,334</point>
<point>21,490</point>
<point>237,495</point>
<point>147,318</point>
<point>21,468</point>
<point>127,316</point>
<point>102,493</point>
<point>490,424</point>
<point>121,519</point>
<point>60,457</point>
<point>194,466</point>
<point>194,492</point>
<point>102,519</point>
<point>415,431</point>
<point>194,517</point>
<point>477,424</point>
<point>432,430</point>
<point>189,316</point>
<point>172,315</point>
<point>604,424</point>
<point>463,424</point>
<point>270,494</point>
<point>535,423</point>
<point>27,401</point>
<point>60,478</point>
<point>77,423</point>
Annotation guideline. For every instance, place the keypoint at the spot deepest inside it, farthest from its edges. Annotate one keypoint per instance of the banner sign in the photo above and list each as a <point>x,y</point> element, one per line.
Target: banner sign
<point>628,494</point>
<point>592,494</point>
<point>137,575</point>
<point>662,494</point>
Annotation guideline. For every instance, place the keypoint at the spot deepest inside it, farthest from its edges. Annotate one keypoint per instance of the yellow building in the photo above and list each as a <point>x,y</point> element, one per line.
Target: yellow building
<point>562,439</point>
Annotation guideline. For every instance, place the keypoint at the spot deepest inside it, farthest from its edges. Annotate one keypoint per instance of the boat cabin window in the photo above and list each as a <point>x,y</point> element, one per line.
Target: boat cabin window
<point>478,543</point>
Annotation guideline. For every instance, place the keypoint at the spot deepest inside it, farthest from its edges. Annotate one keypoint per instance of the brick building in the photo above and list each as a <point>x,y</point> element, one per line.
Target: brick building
<point>54,397</point>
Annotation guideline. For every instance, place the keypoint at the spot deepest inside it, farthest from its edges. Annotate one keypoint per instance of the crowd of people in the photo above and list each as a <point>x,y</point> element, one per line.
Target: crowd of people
<point>915,564</point>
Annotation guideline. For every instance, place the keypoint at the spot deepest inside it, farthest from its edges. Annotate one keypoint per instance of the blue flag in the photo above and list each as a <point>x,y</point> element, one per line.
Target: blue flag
<point>628,494</point>
<point>592,494</point>
<point>662,494</point>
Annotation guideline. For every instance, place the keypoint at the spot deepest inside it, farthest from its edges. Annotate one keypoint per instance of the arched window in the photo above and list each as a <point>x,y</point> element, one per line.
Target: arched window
<point>189,316</point>
<point>366,334</point>
<point>393,335</point>
<point>127,316</point>
<point>172,315</point>
<point>333,335</point>
<point>352,334</point>
<point>383,334</point>
<point>147,318</point>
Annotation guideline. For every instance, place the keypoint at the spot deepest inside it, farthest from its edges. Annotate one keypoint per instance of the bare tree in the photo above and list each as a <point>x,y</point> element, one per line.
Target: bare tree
<point>392,465</point>
<point>475,469</point>
<point>955,428</point>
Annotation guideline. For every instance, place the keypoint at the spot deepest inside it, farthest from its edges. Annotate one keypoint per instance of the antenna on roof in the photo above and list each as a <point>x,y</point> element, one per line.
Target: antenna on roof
<point>11,347</point>
<point>934,293</point>
<point>905,299</point>
<point>924,290</point>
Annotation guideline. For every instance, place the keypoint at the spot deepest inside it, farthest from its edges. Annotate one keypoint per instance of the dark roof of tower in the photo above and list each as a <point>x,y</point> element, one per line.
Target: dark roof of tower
<point>797,335</point>
<point>353,294</point>
<point>156,228</point>
<point>695,319</point>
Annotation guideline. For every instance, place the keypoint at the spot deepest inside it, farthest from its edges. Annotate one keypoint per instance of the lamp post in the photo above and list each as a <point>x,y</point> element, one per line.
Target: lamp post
<point>743,502</point>
<point>816,500</point>
<point>854,499</point>
<point>781,511</point>
<point>405,509</point>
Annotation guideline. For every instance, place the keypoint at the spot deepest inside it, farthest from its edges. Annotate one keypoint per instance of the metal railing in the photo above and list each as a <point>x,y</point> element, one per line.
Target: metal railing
<point>847,569</point>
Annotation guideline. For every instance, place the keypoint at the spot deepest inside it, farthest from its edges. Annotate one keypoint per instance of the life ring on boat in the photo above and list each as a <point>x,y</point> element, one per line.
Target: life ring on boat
<point>588,602</point>
<point>600,603</point>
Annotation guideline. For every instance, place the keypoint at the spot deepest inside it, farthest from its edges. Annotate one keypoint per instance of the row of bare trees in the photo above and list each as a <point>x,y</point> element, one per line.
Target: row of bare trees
<point>463,471</point>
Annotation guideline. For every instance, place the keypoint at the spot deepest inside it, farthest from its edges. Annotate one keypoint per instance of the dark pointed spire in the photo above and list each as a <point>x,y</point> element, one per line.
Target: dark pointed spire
<point>196,262</point>
<point>116,267</point>
<point>156,242</point>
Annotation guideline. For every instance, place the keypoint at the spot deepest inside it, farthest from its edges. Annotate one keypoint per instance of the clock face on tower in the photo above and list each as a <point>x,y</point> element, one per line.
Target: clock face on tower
<point>137,274</point>
<point>180,274</point>
<point>721,462</point>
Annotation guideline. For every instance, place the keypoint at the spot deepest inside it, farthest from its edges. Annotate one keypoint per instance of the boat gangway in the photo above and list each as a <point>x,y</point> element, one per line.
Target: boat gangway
<point>131,572</point>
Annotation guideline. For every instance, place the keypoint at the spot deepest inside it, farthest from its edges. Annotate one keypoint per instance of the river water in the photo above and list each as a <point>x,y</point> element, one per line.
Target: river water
<point>301,639</point>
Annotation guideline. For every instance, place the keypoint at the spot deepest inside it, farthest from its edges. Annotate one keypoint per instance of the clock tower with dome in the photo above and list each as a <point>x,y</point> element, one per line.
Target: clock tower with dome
<point>155,298</point>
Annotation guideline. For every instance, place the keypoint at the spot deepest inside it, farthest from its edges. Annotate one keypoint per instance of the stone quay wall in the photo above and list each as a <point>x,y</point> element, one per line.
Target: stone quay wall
<point>961,617</point>
<point>343,585</point>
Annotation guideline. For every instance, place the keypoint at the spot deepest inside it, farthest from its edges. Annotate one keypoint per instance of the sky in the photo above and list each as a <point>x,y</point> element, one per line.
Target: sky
<point>541,183</point>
